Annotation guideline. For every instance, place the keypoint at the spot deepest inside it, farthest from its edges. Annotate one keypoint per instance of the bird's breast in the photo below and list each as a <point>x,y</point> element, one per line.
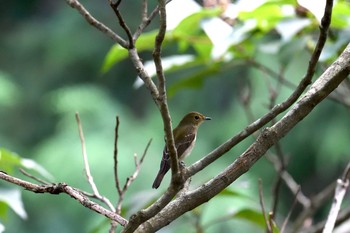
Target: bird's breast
<point>188,150</point>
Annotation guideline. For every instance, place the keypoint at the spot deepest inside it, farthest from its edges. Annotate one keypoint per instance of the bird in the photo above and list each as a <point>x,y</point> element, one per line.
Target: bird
<point>185,135</point>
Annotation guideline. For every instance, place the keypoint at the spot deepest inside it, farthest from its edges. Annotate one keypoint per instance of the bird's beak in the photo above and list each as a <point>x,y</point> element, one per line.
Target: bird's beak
<point>207,118</point>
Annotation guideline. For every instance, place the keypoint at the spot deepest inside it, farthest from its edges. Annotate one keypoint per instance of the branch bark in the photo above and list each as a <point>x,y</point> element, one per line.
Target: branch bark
<point>64,188</point>
<point>325,84</point>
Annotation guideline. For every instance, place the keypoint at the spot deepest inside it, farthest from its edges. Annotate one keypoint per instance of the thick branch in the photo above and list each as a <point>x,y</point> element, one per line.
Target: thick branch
<point>329,80</point>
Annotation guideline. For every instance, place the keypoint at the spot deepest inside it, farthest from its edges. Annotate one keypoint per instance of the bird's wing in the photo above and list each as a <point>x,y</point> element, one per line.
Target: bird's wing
<point>185,146</point>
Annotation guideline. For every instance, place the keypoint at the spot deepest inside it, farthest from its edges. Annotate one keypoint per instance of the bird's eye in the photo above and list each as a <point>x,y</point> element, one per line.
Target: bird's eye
<point>196,117</point>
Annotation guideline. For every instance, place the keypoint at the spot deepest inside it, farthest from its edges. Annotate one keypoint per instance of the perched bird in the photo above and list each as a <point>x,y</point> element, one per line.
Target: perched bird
<point>185,138</point>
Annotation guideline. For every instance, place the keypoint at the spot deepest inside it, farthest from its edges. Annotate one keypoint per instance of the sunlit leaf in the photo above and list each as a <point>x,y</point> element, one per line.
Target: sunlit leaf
<point>266,16</point>
<point>176,11</point>
<point>253,216</point>
<point>144,43</point>
<point>340,14</point>
<point>191,24</point>
<point>232,193</point>
<point>12,197</point>
<point>167,62</point>
<point>31,164</point>
<point>195,80</point>
<point>290,27</point>
<point>2,228</point>
<point>115,54</point>
<point>316,9</point>
<point>8,161</point>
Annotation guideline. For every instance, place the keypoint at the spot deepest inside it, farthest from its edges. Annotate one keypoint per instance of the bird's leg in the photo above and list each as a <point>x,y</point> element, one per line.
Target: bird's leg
<point>182,165</point>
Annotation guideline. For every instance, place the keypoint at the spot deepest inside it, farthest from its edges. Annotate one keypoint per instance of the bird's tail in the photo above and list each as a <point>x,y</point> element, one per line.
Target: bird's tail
<point>158,179</point>
<point>164,168</point>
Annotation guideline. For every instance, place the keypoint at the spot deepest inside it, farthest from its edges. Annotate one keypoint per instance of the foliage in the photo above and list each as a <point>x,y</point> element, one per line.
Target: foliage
<point>58,77</point>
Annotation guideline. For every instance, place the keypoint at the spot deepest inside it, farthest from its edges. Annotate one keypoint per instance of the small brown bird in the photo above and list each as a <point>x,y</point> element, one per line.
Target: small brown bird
<point>185,138</point>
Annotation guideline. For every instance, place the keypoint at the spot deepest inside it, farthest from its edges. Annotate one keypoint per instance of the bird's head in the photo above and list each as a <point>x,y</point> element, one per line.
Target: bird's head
<point>194,118</point>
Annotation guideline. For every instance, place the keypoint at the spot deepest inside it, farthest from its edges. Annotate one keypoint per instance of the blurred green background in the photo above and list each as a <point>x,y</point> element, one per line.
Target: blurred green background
<point>50,68</point>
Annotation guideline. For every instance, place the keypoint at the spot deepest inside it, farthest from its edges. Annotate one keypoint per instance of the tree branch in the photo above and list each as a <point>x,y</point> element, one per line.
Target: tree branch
<point>87,167</point>
<point>64,188</point>
<point>97,24</point>
<point>340,190</point>
<point>277,109</point>
<point>115,6</point>
<point>328,81</point>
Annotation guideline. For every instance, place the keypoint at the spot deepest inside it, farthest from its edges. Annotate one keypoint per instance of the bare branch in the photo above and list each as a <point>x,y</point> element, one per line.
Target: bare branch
<point>87,167</point>
<point>325,84</point>
<point>64,188</point>
<point>340,190</point>
<point>285,222</point>
<point>24,172</point>
<point>343,216</point>
<point>140,69</point>
<point>97,24</point>
<point>146,20</point>
<point>85,159</point>
<point>122,23</point>
<point>277,109</point>
<point>131,178</point>
<point>162,98</point>
<point>115,156</point>
<point>262,204</point>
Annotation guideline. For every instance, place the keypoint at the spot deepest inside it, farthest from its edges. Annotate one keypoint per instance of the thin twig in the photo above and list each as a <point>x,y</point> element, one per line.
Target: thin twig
<point>122,23</point>
<point>285,222</point>
<point>87,167</point>
<point>262,204</point>
<point>277,109</point>
<point>24,172</point>
<point>146,20</point>
<point>85,158</point>
<point>97,24</point>
<point>343,216</point>
<point>340,190</point>
<point>162,98</point>
<point>115,156</point>
<point>132,177</point>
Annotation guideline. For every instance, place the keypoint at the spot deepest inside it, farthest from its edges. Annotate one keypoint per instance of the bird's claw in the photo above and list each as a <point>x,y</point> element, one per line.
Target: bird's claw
<point>182,164</point>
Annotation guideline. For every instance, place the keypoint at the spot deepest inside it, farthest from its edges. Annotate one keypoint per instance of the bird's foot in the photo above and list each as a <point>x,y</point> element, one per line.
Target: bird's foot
<point>182,165</point>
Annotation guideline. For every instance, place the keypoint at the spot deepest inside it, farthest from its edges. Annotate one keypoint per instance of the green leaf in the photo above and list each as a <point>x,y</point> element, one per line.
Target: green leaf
<point>253,216</point>
<point>115,54</point>
<point>194,81</point>
<point>144,43</point>
<point>266,16</point>
<point>232,193</point>
<point>12,198</point>
<point>191,24</point>
<point>8,161</point>
<point>340,14</point>
<point>32,165</point>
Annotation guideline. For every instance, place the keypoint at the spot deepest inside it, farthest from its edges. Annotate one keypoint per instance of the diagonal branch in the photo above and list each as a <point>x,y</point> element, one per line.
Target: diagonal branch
<point>97,24</point>
<point>162,98</point>
<point>324,85</point>
<point>277,109</point>
<point>64,188</point>
<point>115,6</point>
